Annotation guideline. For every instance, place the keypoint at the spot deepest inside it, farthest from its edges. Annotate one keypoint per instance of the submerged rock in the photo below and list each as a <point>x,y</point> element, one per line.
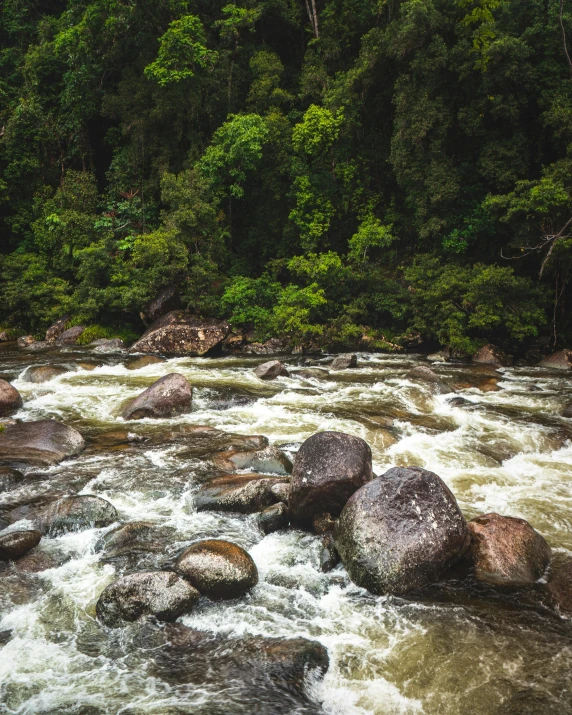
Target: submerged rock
<point>243,493</point>
<point>114,345</point>
<point>25,341</point>
<point>567,411</point>
<point>329,557</point>
<point>218,569</point>
<point>9,479</point>
<point>68,514</point>
<point>425,374</point>
<point>10,399</point>
<point>506,551</point>
<point>43,373</point>
<point>128,537</point>
<point>273,518</point>
<point>41,443</point>
<point>271,370</point>
<point>268,461</point>
<point>400,531</point>
<point>169,395</point>
<point>328,469</point>
<point>492,355</point>
<point>559,586</point>
<point>560,360</point>
<point>161,594</point>
<point>180,333</point>
<point>269,674</point>
<point>343,362</point>
<point>139,362</point>
<point>16,544</point>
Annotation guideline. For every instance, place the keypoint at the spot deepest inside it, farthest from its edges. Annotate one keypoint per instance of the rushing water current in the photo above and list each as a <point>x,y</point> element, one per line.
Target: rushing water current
<point>504,448</point>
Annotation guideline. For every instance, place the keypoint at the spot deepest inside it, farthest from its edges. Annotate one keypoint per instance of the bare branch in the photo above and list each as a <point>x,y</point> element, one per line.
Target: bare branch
<point>560,17</point>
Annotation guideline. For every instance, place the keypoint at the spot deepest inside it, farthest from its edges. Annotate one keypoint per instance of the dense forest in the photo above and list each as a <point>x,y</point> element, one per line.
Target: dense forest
<point>378,173</point>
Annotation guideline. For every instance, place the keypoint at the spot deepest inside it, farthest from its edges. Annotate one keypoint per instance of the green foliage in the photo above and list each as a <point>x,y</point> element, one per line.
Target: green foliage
<point>358,189</point>
<point>459,306</point>
<point>182,49</point>
<point>97,332</point>
<point>235,150</point>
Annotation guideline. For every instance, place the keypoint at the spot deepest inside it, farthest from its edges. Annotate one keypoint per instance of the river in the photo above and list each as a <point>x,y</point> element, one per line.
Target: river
<point>504,449</point>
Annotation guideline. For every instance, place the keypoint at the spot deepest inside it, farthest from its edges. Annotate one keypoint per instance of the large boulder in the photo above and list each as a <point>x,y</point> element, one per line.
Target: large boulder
<point>271,370</point>
<point>506,551</point>
<point>560,360</point>
<point>328,469</point>
<point>490,354</point>
<point>10,399</point>
<point>16,544</point>
<point>181,333</point>
<point>161,594</point>
<point>400,532</point>
<point>55,331</point>
<point>343,362</point>
<point>43,373</point>
<point>243,493</point>
<point>218,569</point>
<point>169,395</point>
<point>71,335</point>
<point>40,444</point>
<point>59,516</point>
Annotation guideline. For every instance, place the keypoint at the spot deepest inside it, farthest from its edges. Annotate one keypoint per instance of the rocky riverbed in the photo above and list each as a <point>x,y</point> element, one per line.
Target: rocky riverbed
<point>292,633</point>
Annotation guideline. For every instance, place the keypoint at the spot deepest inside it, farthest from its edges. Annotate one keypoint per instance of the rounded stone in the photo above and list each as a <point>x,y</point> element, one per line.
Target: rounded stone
<point>161,594</point>
<point>328,469</point>
<point>16,544</point>
<point>507,551</point>
<point>170,395</point>
<point>218,569</point>
<point>43,373</point>
<point>10,399</point>
<point>400,532</point>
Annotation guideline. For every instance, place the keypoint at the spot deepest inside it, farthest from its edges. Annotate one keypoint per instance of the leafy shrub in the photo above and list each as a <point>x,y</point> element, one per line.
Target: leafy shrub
<point>98,332</point>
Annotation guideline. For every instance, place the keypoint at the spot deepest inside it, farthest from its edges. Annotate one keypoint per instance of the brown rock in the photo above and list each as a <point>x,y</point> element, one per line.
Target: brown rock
<point>271,370</point>
<point>273,518</point>
<point>328,469</point>
<point>322,523</point>
<point>16,544</point>
<point>9,478</point>
<point>114,345</point>
<point>25,341</point>
<point>41,443</point>
<point>218,569</point>
<point>492,355</point>
<point>59,516</point>
<point>10,399</point>
<point>425,374</point>
<point>143,361</point>
<point>559,586</point>
<point>489,386</point>
<point>343,362</point>
<point>43,373</point>
<point>560,360</point>
<point>243,493</point>
<point>70,336</point>
<point>55,331</point>
<point>507,551</point>
<point>169,395</point>
<point>267,461</point>
<point>329,557</point>
<point>161,594</point>
<point>180,333</point>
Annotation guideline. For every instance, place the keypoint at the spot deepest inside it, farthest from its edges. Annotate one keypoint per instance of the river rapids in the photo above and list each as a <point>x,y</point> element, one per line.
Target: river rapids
<point>502,448</point>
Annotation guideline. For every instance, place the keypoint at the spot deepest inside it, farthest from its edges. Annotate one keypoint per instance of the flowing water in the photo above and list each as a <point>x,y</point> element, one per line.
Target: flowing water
<point>448,652</point>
